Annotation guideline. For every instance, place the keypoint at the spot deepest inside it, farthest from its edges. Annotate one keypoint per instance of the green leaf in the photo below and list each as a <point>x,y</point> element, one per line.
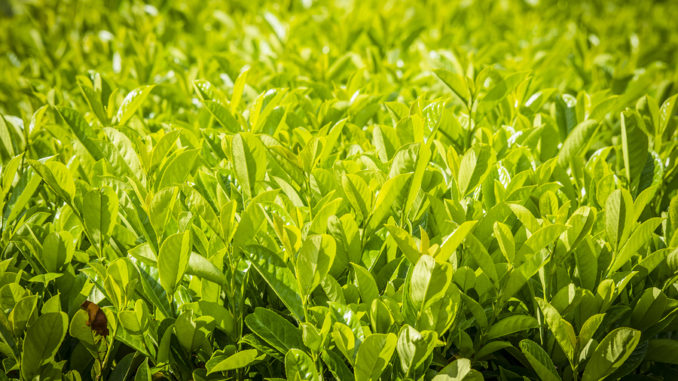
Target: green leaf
<point>21,196</point>
<point>506,242</point>
<point>511,324</point>
<point>333,290</point>
<point>100,212</point>
<point>635,242</point>
<point>366,284</point>
<point>482,257</point>
<point>336,365</point>
<point>238,88</point>
<point>5,140</point>
<point>423,158</point>
<point>381,317</point>
<point>42,341</point>
<point>153,290</point>
<point>173,260</point>
<point>345,340</point>
<point>387,196</point>
<point>89,137</point>
<point>143,372</point>
<point>576,141</point>
<point>458,370</point>
<point>314,261</point>
<point>211,311</point>
<point>222,363</point>
<point>649,309</point>
<point>611,353</point>
<point>274,329</point>
<point>618,216</point>
<point>135,321</point>
<point>222,115</point>
<point>207,91</point>
<point>279,278</point>
<point>473,168</point>
<point>428,281</point>
<point>414,348</point>
<point>79,330</point>
<point>634,145</point>
<point>249,161</point>
<point>540,239</point>
<point>454,82</point>
<point>311,336</point>
<point>22,313</point>
<point>92,98</point>
<point>161,207</point>
<point>405,242</point>
<point>665,113</point>
<point>374,354</point>
<point>203,268</point>
<point>566,113</point>
<point>52,304</point>
<point>132,102</point>
<point>539,360</point>
<point>357,193</point>
<point>57,250</point>
<point>491,347</point>
<point>177,169</point>
<point>452,241</point>
<point>188,333</point>
<point>526,217</point>
<point>299,366</point>
<point>663,350</point>
<point>589,328</point>
<point>58,177</point>
<point>561,328</point>
<point>580,224</point>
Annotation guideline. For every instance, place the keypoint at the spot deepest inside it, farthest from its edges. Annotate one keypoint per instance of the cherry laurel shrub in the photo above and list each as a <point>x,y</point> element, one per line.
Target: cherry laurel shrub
<point>352,190</point>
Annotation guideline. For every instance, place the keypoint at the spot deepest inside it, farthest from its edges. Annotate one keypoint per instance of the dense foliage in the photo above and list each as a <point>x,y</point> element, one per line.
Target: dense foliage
<point>356,189</point>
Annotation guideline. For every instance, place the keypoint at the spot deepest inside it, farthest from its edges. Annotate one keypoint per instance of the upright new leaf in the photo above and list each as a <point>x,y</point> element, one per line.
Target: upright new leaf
<point>561,328</point>
<point>388,194</point>
<point>456,83</point>
<point>453,241</point>
<point>173,260</point>
<point>366,284</point>
<point>314,261</point>
<point>635,242</point>
<point>539,360</point>
<point>249,161</point>
<point>618,216</point>
<point>279,278</point>
<point>132,102</point>
<point>414,348</point>
<point>576,140</point>
<point>100,212</point>
<point>373,356</point>
<point>634,145</point>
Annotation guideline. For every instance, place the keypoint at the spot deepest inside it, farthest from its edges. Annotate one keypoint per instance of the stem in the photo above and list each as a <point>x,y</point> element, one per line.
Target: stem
<point>101,363</point>
<point>471,124</point>
<point>108,352</point>
<point>308,195</point>
<point>305,305</point>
